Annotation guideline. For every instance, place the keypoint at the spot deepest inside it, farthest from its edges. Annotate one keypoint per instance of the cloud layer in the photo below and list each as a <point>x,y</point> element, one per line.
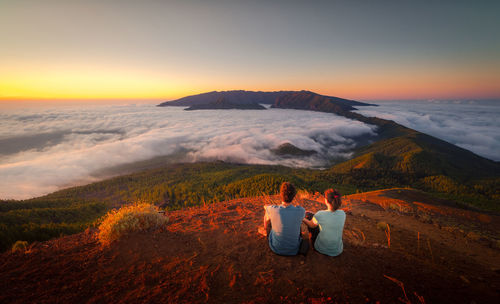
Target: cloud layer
<point>43,150</point>
<point>471,125</point>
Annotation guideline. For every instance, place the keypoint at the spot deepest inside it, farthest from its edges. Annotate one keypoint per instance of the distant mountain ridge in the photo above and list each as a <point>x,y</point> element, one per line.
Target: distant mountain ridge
<point>239,97</point>
<point>222,103</point>
<point>235,97</point>
<point>305,100</point>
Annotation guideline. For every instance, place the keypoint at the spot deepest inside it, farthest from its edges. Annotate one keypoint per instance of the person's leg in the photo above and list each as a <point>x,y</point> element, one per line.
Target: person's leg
<point>304,239</point>
<point>314,234</point>
<point>304,246</point>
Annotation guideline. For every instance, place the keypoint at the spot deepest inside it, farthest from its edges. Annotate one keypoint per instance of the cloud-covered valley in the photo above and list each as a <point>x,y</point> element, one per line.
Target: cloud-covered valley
<point>43,150</point>
<point>472,125</point>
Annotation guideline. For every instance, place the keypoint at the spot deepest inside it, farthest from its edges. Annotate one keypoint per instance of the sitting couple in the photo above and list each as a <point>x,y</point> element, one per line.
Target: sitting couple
<point>282,224</point>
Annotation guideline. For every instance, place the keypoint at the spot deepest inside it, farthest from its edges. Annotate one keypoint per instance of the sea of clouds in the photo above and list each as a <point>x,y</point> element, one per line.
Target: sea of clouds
<point>46,149</point>
<point>472,125</point>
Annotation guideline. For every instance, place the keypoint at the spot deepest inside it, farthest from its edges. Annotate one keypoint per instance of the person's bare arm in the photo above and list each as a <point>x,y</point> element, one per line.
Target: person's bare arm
<point>267,220</point>
<point>310,224</point>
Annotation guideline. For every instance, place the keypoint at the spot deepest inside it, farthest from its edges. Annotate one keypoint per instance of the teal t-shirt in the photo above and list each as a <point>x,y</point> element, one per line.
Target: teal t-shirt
<point>331,226</point>
<point>284,238</point>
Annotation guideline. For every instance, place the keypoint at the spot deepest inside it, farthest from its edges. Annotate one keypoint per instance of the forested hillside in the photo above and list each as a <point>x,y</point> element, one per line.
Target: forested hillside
<point>45,218</point>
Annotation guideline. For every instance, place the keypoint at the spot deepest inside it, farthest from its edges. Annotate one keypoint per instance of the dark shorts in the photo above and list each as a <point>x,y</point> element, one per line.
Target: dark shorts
<point>314,231</point>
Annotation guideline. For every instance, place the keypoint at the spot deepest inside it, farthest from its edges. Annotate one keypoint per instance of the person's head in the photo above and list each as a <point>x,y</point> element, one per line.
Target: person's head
<point>287,192</point>
<point>332,198</point>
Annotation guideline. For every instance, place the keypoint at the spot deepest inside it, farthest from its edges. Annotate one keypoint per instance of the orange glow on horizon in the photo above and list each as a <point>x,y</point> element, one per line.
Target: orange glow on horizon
<point>115,83</point>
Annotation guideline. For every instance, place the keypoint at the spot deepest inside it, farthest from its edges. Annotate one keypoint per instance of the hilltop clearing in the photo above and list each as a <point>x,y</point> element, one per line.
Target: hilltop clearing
<point>213,253</point>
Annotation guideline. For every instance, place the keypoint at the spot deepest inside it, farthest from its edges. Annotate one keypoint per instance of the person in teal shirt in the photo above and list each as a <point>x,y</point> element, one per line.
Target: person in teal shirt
<point>328,238</point>
<point>282,224</point>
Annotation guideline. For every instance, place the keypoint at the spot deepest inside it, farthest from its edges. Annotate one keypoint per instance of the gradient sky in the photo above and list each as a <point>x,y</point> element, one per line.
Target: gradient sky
<point>161,50</point>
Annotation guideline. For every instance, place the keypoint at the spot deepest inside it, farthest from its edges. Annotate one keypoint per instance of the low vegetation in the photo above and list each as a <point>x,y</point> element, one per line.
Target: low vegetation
<point>131,218</point>
<point>19,246</point>
<point>183,185</point>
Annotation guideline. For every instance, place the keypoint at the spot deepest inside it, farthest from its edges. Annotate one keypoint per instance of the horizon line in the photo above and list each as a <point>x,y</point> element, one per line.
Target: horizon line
<point>166,99</point>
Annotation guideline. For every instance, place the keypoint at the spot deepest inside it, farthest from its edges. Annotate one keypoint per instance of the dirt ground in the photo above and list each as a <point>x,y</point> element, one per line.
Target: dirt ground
<point>431,253</point>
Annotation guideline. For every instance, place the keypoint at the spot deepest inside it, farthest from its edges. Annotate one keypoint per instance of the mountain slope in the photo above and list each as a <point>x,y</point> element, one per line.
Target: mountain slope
<point>213,254</point>
<point>397,147</point>
<point>422,155</point>
<point>400,155</point>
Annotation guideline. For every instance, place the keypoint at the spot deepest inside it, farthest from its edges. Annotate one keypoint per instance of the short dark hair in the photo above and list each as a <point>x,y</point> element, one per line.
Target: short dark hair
<point>287,192</point>
<point>333,198</point>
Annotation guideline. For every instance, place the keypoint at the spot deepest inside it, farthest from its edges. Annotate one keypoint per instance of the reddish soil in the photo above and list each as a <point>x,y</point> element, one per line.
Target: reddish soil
<point>214,254</point>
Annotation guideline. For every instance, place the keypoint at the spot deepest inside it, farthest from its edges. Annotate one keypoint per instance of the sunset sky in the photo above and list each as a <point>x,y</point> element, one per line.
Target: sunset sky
<point>161,50</point>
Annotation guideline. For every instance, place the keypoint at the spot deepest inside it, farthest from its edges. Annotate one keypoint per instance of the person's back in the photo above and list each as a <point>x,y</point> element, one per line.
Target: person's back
<point>284,237</point>
<point>331,226</point>
<point>326,226</point>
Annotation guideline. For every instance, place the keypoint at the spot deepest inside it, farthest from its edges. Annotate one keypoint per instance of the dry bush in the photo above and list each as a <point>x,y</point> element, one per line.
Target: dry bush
<point>401,208</point>
<point>20,246</point>
<point>127,219</point>
<point>387,230</point>
<point>355,236</point>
